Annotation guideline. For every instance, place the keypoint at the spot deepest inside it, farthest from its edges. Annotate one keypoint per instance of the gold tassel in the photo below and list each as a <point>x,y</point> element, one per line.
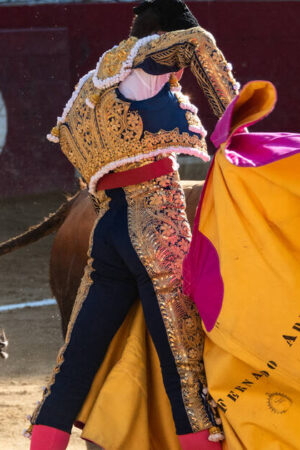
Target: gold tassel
<point>94,99</point>
<point>195,42</point>
<point>173,81</point>
<point>55,131</point>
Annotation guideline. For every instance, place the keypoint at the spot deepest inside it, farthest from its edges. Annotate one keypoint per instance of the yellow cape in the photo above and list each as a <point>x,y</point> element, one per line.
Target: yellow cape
<point>127,407</point>
<point>251,216</point>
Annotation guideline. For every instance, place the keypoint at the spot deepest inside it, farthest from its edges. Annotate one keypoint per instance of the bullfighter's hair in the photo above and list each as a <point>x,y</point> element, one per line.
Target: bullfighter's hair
<point>161,15</point>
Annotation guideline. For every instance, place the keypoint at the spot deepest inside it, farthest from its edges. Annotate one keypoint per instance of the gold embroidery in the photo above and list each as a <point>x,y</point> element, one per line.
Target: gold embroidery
<point>135,164</point>
<point>168,48</point>
<point>195,48</point>
<point>82,293</point>
<point>90,152</point>
<point>160,234</point>
<point>94,138</point>
<point>112,61</point>
<point>100,202</point>
<point>211,71</point>
<point>191,117</point>
<point>144,162</point>
<point>193,120</point>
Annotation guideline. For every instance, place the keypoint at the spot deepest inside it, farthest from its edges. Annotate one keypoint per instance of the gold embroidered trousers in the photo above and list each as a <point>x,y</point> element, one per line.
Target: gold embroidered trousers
<point>136,251</point>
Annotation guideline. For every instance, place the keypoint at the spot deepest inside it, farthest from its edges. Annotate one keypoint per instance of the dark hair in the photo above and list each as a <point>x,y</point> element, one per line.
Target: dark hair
<point>161,15</point>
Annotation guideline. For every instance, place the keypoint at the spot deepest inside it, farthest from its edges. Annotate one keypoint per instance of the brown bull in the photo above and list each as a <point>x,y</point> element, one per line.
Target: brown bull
<point>74,220</point>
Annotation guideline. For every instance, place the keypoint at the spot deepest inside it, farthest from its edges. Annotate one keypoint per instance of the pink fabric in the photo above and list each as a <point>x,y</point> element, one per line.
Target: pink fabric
<point>258,149</point>
<point>222,129</point>
<point>198,441</point>
<point>205,286</point>
<point>202,280</point>
<point>140,85</point>
<point>252,149</point>
<point>48,438</point>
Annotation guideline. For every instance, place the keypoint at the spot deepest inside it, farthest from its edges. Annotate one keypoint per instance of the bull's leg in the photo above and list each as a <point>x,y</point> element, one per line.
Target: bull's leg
<point>3,345</point>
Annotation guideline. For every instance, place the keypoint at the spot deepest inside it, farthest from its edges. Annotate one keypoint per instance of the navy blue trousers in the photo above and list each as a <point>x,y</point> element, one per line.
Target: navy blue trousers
<point>118,279</point>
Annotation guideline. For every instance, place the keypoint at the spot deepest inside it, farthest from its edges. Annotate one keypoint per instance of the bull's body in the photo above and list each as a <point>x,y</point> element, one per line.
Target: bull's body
<point>69,254</point>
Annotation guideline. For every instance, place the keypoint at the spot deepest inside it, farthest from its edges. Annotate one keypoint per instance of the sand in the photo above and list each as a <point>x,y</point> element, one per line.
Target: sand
<point>34,333</point>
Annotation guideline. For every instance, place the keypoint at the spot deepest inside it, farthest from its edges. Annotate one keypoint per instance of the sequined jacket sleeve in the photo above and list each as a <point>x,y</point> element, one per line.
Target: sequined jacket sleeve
<point>197,49</point>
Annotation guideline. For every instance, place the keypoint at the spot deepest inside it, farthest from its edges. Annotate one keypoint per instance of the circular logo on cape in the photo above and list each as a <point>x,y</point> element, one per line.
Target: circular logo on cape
<point>278,403</point>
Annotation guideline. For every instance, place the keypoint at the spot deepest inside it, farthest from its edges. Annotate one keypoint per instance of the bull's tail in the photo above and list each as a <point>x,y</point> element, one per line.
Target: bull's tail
<point>36,232</point>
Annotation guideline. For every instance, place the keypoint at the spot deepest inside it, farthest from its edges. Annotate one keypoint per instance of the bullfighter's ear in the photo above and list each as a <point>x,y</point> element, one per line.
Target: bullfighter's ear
<point>255,101</point>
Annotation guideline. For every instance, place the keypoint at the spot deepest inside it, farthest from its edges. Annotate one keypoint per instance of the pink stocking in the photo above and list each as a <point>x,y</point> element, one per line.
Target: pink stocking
<point>48,438</point>
<point>198,441</point>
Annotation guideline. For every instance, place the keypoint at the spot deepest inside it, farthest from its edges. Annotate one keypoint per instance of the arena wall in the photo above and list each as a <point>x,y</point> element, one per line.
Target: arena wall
<point>45,49</point>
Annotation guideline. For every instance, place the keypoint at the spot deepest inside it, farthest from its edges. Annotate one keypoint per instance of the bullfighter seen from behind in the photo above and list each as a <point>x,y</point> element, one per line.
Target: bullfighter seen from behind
<point>121,129</point>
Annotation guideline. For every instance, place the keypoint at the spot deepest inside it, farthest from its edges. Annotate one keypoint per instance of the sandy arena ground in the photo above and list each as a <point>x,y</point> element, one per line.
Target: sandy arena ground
<point>34,333</point>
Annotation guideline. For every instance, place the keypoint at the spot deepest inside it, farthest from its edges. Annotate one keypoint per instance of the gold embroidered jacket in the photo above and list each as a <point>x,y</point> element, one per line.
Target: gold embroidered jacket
<point>100,131</point>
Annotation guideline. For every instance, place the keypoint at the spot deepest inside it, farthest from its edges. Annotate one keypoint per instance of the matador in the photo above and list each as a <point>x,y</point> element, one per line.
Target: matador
<point>121,129</point>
